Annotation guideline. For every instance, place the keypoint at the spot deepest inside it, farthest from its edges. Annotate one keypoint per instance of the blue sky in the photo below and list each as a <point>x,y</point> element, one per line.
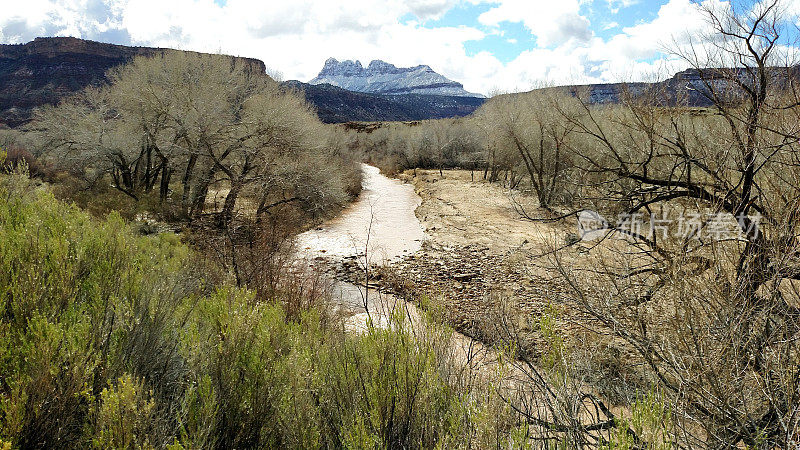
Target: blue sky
<point>513,38</point>
<point>489,45</point>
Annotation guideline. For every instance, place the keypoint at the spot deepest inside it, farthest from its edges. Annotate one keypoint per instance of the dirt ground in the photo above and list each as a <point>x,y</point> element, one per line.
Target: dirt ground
<point>481,260</point>
<point>456,210</point>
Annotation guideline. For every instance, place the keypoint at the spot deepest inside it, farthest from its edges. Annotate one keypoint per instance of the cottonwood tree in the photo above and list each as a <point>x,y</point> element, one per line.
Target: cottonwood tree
<point>197,101</point>
<point>193,122</point>
<point>275,129</point>
<point>156,113</point>
<point>441,140</point>
<point>710,316</point>
<point>85,136</point>
<point>530,127</point>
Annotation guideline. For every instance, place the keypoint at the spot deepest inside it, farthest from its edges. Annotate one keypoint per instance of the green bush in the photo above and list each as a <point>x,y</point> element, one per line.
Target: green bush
<point>76,295</point>
<point>650,420</point>
<point>125,416</point>
<point>115,340</point>
<point>389,387</point>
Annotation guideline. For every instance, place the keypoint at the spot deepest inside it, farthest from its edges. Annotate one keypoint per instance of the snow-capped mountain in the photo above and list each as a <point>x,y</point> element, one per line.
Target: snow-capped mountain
<point>381,77</point>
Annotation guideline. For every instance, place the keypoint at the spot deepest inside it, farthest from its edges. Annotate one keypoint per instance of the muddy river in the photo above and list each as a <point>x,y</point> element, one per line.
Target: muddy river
<point>381,223</point>
<point>379,227</point>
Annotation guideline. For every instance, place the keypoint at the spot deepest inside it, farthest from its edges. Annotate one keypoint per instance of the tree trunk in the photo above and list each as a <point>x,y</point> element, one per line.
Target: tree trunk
<point>230,201</point>
<point>148,170</point>
<point>163,191</point>
<point>201,192</point>
<point>128,184</point>
<point>187,178</point>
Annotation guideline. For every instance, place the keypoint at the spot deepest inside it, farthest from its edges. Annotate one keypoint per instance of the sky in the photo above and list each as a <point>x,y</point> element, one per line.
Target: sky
<point>490,46</point>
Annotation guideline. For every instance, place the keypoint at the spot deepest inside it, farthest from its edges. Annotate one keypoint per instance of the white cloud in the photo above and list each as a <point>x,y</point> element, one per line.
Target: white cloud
<point>552,22</point>
<point>636,53</point>
<point>675,22</point>
<point>616,5</point>
<point>296,36</point>
<point>429,9</point>
<point>291,36</point>
<point>24,20</point>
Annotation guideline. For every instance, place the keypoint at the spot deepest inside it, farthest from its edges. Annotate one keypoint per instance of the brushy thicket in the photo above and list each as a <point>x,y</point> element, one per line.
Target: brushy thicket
<point>110,339</point>
<point>690,286</point>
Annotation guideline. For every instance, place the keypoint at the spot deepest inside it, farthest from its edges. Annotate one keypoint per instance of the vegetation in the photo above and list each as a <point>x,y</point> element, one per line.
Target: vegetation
<point>109,339</point>
<point>709,315</point>
<point>113,339</point>
<point>521,140</point>
<point>438,144</point>
<point>695,277</point>
<point>184,125</point>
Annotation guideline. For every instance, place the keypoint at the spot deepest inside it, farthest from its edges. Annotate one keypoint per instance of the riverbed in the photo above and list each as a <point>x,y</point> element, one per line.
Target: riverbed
<point>380,224</point>
<point>378,228</point>
<point>381,227</point>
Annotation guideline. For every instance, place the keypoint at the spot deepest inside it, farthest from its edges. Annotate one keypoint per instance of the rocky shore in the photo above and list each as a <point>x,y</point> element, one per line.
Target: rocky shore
<point>475,270</point>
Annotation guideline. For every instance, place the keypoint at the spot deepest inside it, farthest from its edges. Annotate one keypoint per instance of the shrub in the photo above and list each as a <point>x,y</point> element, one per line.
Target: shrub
<point>79,300</point>
<point>17,158</point>
<point>124,419</point>
<point>388,387</point>
<point>111,339</point>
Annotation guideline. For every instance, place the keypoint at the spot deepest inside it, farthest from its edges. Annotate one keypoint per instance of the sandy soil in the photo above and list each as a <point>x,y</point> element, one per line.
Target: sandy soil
<point>457,211</point>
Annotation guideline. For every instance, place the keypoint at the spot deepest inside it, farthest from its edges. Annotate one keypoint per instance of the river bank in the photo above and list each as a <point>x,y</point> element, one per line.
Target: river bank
<point>379,231</point>
<point>478,267</point>
<point>479,263</point>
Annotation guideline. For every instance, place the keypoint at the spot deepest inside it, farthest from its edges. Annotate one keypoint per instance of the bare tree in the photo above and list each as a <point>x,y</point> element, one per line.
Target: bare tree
<point>709,316</point>
<point>196,122</point>
<point>529,126</point>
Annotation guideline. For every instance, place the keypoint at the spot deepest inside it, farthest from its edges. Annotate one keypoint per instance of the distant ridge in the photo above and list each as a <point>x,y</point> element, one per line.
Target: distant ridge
<point>337,105</point>
<point>688,88</point>
<point>380,77</point>
<point>45,70</point>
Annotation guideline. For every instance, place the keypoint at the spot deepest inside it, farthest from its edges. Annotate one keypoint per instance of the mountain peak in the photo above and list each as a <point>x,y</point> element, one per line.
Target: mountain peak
<point>378,65</point>
<point>381,77</point>
<point>334,67</point>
